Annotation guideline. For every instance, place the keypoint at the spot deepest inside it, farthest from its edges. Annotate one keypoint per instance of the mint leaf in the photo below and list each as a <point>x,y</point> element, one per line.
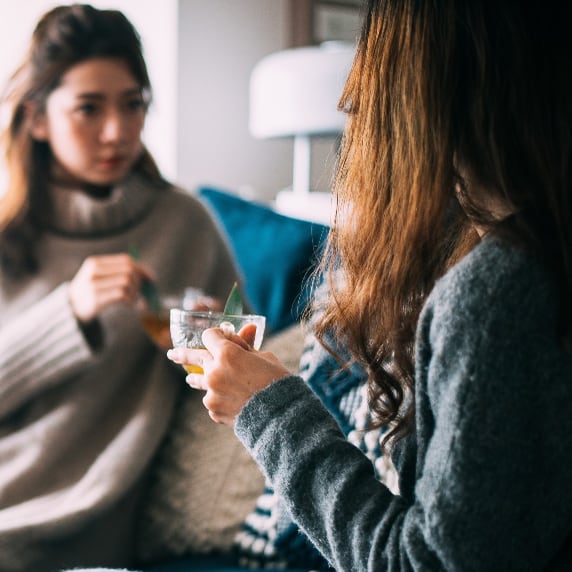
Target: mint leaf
<point>233,306</point>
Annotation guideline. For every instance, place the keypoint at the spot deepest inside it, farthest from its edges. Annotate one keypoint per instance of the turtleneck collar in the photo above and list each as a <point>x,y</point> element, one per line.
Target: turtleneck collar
<point>75,213</point>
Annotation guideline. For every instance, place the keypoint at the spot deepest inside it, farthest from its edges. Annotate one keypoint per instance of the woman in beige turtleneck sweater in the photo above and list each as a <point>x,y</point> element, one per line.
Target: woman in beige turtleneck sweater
<point>80,422</point>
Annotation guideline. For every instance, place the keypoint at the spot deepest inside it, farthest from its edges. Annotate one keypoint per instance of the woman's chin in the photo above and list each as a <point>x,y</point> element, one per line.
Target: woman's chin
<point>108,179</point>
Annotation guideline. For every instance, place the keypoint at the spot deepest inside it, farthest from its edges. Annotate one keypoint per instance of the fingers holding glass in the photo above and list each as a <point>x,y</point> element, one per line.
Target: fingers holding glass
<point>192,360</point>
<point>187,328</point>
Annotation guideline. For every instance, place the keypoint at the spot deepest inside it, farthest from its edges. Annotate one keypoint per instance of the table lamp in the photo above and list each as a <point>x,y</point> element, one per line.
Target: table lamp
<point>295,93</point>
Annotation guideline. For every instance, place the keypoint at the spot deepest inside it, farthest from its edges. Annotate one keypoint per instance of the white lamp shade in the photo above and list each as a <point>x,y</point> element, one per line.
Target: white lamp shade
<point>297,91</point>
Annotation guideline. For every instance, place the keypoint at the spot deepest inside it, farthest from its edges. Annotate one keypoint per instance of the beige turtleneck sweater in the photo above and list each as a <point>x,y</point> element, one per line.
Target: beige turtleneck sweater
<point>80,424</point>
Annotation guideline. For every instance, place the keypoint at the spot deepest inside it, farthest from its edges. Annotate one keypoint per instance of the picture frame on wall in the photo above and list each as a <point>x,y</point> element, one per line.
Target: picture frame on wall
<point>317,21</point>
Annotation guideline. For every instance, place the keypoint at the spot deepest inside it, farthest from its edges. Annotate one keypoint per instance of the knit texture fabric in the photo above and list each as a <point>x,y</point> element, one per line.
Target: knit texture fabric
<point>80,424</point>
<point>484,480</point>
<point>269,538</point>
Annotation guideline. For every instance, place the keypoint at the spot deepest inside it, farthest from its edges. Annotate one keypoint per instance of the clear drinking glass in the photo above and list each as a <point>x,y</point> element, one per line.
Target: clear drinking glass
<point>187,327</point>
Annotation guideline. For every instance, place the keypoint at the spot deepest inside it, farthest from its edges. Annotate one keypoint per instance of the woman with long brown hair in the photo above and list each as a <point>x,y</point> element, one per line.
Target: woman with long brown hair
<point>453,235</point>
<point>85,220</point>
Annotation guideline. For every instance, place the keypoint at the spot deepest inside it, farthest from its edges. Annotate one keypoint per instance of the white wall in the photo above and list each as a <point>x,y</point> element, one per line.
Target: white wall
<point>220,41</point>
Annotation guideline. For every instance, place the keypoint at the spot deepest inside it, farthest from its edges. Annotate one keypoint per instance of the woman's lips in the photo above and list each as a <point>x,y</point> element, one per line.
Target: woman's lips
<point>110,163</point>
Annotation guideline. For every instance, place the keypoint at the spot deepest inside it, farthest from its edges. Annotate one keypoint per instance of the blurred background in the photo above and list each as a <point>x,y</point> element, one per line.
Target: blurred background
<point>200,55</point>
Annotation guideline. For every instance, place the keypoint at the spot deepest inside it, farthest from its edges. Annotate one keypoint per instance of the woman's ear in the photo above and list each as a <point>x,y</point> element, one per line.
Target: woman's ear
<point>38,122</point>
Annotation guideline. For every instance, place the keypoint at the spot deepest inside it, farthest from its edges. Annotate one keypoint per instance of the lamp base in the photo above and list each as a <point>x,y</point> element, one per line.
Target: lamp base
<point>315,206</point>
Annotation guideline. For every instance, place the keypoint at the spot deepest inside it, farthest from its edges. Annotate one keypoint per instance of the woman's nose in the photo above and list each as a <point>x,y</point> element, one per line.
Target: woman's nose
<point>112,128</point>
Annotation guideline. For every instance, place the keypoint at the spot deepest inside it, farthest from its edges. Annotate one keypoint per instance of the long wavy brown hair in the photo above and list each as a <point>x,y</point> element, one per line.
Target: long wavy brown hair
<point>453,106</point>
<point>63,37</point>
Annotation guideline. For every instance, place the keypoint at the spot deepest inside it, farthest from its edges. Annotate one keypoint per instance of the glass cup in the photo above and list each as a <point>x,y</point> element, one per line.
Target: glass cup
<point>156,320</point>
<point>187,327</point>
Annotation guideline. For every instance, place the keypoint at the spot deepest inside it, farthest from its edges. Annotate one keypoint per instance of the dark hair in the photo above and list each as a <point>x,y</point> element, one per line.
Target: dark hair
<point>473,95</point>
<point>63,37</point>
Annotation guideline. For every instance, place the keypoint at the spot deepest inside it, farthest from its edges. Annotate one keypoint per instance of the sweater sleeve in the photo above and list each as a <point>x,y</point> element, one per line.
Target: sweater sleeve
<point>491,489</point>
<point>38,349</point>
<point>318,473</point>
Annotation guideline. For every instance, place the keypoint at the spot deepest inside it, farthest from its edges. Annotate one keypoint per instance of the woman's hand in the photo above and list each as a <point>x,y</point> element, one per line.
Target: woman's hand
<point>105,280</point>
<point>233,371</point>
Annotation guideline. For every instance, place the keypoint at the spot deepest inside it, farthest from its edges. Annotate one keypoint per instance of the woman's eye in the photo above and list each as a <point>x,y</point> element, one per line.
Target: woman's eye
<point>87,109</point>
<point>136,104</point>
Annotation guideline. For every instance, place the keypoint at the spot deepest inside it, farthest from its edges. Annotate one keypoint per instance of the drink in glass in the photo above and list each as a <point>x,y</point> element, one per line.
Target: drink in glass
<point>187,327</point>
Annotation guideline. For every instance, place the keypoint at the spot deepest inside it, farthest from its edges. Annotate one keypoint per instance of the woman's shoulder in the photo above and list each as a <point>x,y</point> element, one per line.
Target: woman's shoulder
<point>494,267</point>
<point>176,202</point>
<point>176,194</point>
<point>495,279</point>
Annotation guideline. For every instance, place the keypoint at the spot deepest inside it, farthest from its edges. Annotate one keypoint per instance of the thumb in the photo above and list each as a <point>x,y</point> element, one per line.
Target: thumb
<point>248,334</point>
<point>214,337</point>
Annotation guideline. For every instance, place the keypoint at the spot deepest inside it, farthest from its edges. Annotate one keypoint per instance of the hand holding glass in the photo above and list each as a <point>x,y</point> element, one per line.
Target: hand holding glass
<point>187,328</point>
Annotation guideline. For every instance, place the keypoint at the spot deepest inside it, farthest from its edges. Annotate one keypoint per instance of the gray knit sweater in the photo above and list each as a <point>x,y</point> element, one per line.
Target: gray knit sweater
<point>485,479</point>
<point>79,424</point>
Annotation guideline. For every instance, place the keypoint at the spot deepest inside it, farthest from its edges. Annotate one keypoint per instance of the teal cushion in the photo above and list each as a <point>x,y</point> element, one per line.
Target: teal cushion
<point>275,253</point>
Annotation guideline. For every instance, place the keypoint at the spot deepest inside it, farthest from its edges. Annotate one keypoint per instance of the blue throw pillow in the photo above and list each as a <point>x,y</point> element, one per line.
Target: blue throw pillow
<point>275,253</point>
